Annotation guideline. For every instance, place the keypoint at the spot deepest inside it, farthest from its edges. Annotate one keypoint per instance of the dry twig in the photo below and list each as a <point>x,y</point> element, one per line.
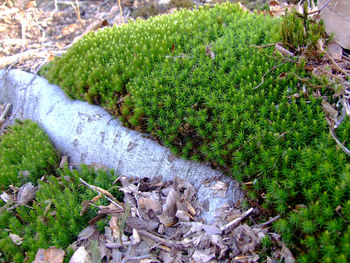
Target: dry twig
<point>270,70</point>
<point>105,193</point>
<point>121,11</point>
<point>237,220</point>
<point>5,112</point>
<point>270,221</point>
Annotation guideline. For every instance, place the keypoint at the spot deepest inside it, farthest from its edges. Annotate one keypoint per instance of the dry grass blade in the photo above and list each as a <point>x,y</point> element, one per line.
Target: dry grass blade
<point>104,192</point>
<point>346,150</point>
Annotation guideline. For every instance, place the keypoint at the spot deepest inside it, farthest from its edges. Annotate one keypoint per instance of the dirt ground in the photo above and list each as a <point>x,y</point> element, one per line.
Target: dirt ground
<point>32,32</point>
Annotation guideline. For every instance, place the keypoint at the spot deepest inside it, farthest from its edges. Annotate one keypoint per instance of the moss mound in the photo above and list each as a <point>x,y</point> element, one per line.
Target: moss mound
<point>54,218</point>
<point>26,154</point>
<point>194,80</point>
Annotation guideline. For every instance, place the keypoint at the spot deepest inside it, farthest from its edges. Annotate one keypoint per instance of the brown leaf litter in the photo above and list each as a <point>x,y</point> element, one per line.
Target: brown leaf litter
<point>31,34</point>
<point>50,255</point>
<point>15,197</point>
<point>160,222</point>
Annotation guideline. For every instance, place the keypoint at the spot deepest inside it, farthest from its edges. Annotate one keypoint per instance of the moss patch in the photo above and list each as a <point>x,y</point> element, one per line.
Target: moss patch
<point>26,154</point>
<point>54,217</point>
<point>194,80</point>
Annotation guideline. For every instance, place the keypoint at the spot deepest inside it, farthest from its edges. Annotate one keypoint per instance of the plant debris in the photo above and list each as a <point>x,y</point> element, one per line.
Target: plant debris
<point>160,222</point>
<point>5,110</point>
<point>32,34</point>
<point>50,255</point>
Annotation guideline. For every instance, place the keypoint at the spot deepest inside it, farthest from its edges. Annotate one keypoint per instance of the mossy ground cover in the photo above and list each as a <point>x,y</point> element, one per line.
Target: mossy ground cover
<point>194,81</point>
<point>26,154</point>
<point>53,219</point>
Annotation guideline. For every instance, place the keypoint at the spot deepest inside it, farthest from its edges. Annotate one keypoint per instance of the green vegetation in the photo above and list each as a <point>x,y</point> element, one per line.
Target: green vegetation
<point>198,83</point>
<point>26,154</point>
<point>53,219</point>
<point>298,31</point>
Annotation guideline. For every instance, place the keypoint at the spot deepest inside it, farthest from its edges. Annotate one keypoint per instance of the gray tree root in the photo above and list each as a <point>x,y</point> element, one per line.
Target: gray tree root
<point>89,135</point>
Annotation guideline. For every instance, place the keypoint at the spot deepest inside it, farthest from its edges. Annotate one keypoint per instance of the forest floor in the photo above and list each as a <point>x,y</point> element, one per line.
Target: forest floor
<point>33,33</point>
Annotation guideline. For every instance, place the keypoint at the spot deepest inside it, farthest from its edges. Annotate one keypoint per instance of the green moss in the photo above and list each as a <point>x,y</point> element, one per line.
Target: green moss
<point>194,80</point>
<point>26,154</point>
<point>53,219</point>
<point>298,31</point>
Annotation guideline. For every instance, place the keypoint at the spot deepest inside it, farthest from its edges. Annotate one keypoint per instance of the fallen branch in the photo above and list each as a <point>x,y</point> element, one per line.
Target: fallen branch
<point>5,61</point>
<point>319,10</point>
<point>283,51</point>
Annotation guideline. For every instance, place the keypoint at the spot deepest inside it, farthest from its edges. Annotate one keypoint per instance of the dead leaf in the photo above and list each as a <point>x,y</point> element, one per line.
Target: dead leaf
<point>274,3</point>
<point>50,255</point>
<point>190,208</point>
<point>5,197</point>
<point>334,50</point>
<point>287,255</point>
<point>202,256</point>
<point>70,29</point>
<point>333,113</point>
<point>150,204</point>
<point>294,96</point>
<point>96,198</point>
<point>169,209</point>
<point>220,189</point>
<point>26,193</point>
<point>64,160</point>
<point>138,223</point>
<point>182,216</point>
<point>16,239</point>
<point>84,207</point>
<point>113,224</point>
<point>209,52</point>
<point>80,256</point>
<point>87,232</point>
<point>110,209</point>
